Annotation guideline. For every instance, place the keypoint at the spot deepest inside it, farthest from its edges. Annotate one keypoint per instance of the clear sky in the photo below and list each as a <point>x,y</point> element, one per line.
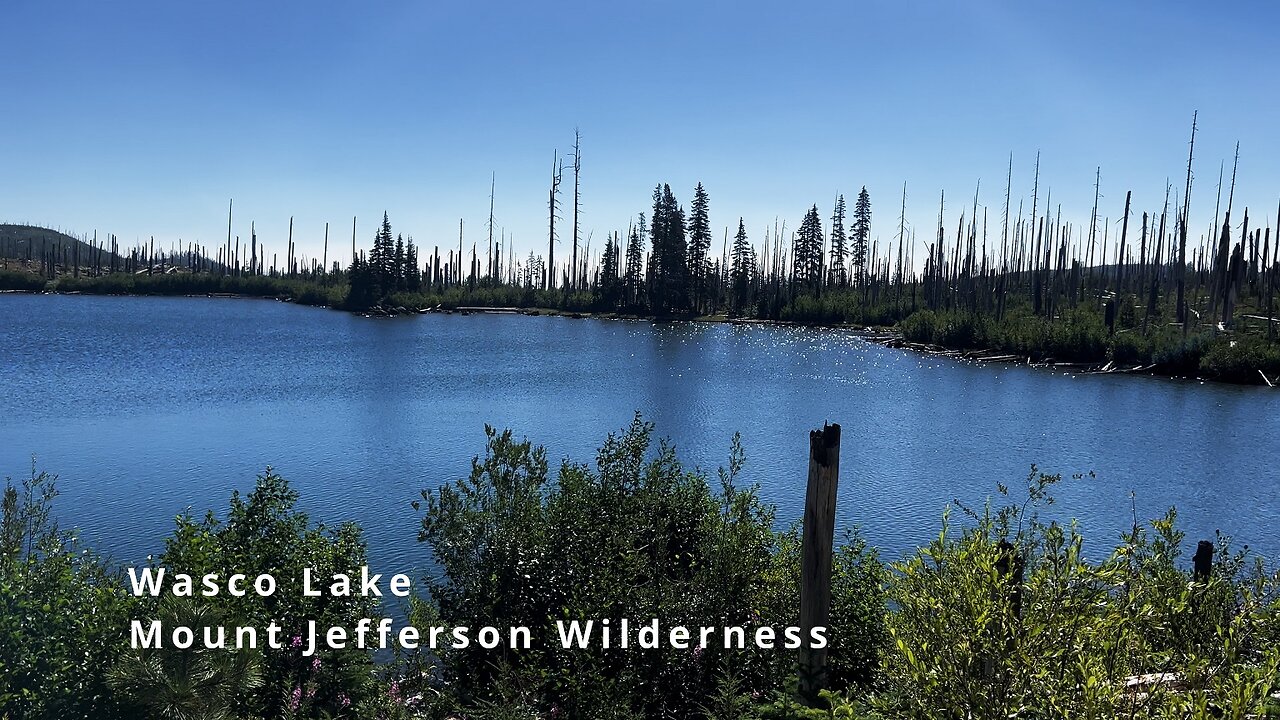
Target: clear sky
<point>144,118</point>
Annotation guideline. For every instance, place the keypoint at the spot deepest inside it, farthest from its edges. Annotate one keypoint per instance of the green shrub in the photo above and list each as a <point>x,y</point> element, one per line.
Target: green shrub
<point>920,326</point>
<point>639,537</point>
<point>1001,616</point>
<point>1240,360</point>
<point>971,641</point>
<point>1129,348</point>
<point>61,613</point>
<point>1178,355</point>
<point>21,281</point>
<point>198,683</point>
<point>264,533</point>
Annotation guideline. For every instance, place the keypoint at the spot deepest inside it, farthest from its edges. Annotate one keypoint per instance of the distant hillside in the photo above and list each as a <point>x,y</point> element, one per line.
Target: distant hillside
<point>23,241</point>
<point>53,252</point>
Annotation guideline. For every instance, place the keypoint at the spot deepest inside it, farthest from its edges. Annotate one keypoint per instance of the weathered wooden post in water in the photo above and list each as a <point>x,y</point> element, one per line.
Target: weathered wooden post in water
<point>815,561</point>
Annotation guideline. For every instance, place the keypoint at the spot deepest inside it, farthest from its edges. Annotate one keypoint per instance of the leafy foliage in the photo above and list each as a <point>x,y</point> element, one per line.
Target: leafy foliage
<point>196,683</point>
<point>263,533</point>
<point>637,537</point>
<point>61,611</point>
<point>970,639</point>
<point>1002,615</point>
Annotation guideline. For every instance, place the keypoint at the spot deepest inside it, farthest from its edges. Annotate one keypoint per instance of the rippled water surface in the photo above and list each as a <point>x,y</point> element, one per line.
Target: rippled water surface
<point>147,406</point>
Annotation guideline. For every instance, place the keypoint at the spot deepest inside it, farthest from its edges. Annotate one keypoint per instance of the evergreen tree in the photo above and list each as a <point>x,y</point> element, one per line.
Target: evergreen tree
<point>374,261</point>
<point>399,272</point>
<point>839,250</point>
<point>806,268</point>
<point>610,282</point>
<point>742,268</point>
<point>632,283</point>
<point>861,232</point>
<point>670,270</point>
<point>382,258</point>
<point>363,285</point>
<point>412,274</point>
<point>699,245</point>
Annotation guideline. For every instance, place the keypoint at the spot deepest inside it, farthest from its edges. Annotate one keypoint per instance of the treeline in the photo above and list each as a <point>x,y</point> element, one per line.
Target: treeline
<point>1148,291</point>
<point>666,266</point>
<point>1000,616</point>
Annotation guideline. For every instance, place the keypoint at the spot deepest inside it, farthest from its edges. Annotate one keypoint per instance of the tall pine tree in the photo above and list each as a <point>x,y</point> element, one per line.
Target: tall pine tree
<point>382,258</point>
<point>837,273</point>
<point>670,270</point>
<point>399,273</point>
<point>699,246</point>
<point>743,270</point>
<point>633,282</point>
<point>861,233</point>
<point>610,283</point>
<point>413,276</point>
<point>807,260</point>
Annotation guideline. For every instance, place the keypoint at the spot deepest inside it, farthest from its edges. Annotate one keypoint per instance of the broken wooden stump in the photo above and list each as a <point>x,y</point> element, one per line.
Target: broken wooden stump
<point>816,549</point>
<point>1202,561</point>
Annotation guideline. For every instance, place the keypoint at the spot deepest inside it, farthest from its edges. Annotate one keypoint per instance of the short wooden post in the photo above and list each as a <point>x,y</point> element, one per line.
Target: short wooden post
<point>1010,573</point>
<point>1012,569</point>
<point>1202,561</point>
<point>816,547</point>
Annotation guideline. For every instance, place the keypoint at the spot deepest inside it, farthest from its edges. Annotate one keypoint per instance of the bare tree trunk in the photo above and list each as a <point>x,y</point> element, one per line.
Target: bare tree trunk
<point>1183,316</point>
<point>492,268</point>
<point>1124,237</point>
<point>577,169</point>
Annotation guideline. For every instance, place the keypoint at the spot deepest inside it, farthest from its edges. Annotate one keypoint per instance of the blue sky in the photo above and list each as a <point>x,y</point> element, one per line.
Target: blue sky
<point>144,120</point>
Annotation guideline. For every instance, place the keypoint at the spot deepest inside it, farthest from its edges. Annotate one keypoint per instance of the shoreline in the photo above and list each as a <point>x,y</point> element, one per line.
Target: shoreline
<point>887,337</point>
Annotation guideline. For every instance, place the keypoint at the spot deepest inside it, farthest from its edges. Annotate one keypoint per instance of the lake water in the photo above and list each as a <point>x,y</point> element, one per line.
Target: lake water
<point>147,406</point>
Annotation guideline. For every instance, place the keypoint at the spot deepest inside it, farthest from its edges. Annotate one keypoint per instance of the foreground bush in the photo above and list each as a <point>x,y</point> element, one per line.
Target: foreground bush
<point>263,532</point>
<point>1001,616</point>
<point>638,536</point>
<point>971,639</point>
<point>61,611</point>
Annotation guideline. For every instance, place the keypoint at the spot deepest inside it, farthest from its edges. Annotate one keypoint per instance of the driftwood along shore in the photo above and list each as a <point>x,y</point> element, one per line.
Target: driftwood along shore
<point>894,340</point>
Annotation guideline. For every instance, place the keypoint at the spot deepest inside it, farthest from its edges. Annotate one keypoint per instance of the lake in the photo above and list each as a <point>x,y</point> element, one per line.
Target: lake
<point>147,406</point>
